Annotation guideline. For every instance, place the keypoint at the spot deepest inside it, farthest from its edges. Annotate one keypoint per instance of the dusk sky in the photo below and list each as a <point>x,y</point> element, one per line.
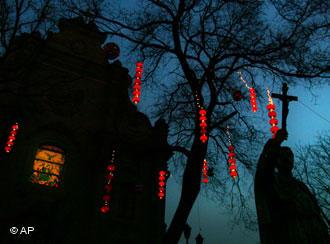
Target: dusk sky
<point>216,222</point>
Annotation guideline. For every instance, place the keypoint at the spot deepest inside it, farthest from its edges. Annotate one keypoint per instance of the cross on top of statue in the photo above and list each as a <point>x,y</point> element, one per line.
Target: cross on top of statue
<point>285,102</point>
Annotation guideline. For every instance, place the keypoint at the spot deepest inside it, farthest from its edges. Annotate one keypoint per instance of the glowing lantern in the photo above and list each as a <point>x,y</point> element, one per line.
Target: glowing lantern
<point>11,138</point>
<point>204,170</point>
<point>253,100</point>
<point>203,125</point>
<point>106,198</point>
<point>111,167</point>
<point>231,157</point>
<point>232,162</point>
<point>161,184</point>
<point>105,209</point>
<point>108,187</point>
<point>272,115</point>
<point>253,97</point>
<point>137,83</point>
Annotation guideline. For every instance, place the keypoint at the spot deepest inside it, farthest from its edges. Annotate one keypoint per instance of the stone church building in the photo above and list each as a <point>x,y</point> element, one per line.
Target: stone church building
<point>64,110</point>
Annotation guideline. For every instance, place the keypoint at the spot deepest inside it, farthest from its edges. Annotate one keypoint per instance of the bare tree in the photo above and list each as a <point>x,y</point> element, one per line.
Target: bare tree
<point>30,16</point>
<point>201,45</point>
<point>313,168</point>
<point>22,16</point>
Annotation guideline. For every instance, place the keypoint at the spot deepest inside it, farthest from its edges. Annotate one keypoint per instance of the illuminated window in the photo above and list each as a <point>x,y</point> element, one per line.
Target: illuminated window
<point>47,166</point>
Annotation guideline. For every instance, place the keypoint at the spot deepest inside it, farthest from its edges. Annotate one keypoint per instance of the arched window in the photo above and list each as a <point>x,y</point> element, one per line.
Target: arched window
<point>48,165</point>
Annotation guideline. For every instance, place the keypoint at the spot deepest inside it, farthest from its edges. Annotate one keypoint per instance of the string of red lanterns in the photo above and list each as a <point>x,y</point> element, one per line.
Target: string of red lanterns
<point>137,83</point>
<point>161,184</point>
<point>231,157</point>
<point>203,125</point>
<point>11,138</point>
<point>253,96</point>
<point>108,187</point>
<point>202,118</point>
<point>272,115</point>
<point>205,173</point>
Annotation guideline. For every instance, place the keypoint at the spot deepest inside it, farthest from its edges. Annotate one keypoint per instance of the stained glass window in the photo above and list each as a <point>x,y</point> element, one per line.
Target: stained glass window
<point>48,165</point>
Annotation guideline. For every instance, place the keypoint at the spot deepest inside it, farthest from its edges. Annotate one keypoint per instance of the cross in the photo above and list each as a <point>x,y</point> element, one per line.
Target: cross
<point>285,102</point>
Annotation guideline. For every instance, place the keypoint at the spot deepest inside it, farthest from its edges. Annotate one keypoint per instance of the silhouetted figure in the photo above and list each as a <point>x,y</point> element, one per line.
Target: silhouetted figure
<point>287,211</point>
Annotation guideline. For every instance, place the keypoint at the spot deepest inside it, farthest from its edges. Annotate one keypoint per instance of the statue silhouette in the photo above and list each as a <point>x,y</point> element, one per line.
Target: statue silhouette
<point>287,210</point>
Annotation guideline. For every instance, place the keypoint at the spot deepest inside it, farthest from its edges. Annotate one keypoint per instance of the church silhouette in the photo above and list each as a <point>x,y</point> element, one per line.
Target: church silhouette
<point>72,142</point>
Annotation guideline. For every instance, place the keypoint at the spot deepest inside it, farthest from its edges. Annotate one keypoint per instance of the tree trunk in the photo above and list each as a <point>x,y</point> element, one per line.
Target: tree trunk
<point>190,191</point>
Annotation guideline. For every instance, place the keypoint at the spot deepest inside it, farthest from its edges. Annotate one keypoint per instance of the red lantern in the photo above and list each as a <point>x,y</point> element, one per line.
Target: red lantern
<point>271,107</point>
<point>202,112</point>
<point>137,83</point>
<point>105,209</point>
<point>203,125</point>
<point>272,115</point>
<point>253,97</point>
<point>232,162</point>
<point>205,180</point>
<point>203,138</point>
<point>233,173</point>
<point>274,129</point>
<point>15,127</point>
<point>11,138</point>
<point>161,184</point>
<point>111,167</point>
<point>108,187</point>
<point>106,198</point>
<point>204,171</point>
<point>231,149</point>
<point>253,100</point>
<point>231,157</point>
<point>10,143</point>
<point>273,121</point>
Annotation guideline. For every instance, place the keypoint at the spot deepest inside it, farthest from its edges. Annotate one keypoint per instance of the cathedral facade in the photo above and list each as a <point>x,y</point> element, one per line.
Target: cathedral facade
<point>72,143</point>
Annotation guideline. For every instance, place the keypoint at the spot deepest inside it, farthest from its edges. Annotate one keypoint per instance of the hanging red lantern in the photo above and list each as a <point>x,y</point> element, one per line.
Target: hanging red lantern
<point>161,184</point>
<point>111,167</point>
<point>253,96</point>
<point>203,125</point>
<point>232,162</point>
<point>231,157</point>
<point>106,198</point>
<point>137,83</point>
<point>11,138</point>
<point>205,172</point>
<point>108,187</point>
<point>105,209</point>
<point>253,100</point>
<point>272,115</point>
